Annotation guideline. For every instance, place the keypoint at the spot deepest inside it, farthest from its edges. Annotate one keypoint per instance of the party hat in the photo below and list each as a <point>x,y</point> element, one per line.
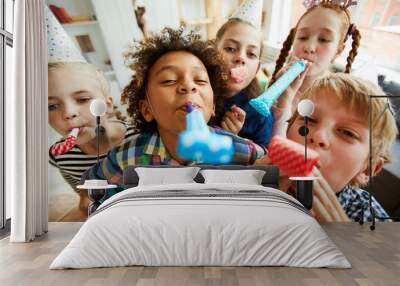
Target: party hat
<point>250,11</point>
<point>60,46</point>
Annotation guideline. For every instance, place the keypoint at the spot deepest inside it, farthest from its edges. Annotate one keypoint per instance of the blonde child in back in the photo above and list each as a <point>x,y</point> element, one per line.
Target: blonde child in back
<point>72,87</point>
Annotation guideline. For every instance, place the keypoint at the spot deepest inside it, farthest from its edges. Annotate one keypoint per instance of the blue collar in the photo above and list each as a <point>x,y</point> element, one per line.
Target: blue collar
<point>237,99</point>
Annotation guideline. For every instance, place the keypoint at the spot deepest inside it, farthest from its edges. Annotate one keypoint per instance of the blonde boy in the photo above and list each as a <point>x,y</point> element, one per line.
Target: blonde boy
<point>72,87</point>
<point>339,132</point>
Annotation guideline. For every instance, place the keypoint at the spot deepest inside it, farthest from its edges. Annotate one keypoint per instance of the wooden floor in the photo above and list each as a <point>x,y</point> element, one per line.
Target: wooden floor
<point>374,255</point>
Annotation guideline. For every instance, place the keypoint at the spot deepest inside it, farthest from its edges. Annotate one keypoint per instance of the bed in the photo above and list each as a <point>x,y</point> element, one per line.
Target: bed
<point>205,222</point>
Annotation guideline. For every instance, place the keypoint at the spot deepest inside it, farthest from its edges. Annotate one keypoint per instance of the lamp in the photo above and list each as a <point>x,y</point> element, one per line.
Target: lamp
<point>305,184</point>
<point>305,109</point>
<point>386,108</point>
<point>98,108</point>
<point>97,188</point>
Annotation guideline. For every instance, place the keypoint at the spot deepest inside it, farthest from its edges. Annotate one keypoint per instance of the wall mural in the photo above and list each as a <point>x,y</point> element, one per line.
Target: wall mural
<point>95,53</point>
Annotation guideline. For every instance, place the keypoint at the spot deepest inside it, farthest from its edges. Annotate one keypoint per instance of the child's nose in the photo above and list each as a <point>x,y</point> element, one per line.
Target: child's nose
<point>70,112</point>
<point>239,58</point>
<point>309,47</point>
<point>187,87</point>
<point>319,139</point>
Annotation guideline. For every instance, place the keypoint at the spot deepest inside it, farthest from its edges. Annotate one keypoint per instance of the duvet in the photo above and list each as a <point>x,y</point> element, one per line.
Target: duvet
<point>201,224</point>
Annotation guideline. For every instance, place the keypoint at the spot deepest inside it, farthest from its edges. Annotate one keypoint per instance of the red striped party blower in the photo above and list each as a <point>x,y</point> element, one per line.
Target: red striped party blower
<point>67,145</point>
<point>289,157</point>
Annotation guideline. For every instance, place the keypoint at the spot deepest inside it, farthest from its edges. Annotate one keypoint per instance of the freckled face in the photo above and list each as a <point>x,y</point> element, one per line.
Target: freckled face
<point>339,136</point>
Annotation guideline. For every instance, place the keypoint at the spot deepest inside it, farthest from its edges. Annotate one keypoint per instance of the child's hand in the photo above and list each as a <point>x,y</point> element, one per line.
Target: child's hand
<point>326,207</point>
<point>265,160</point>
<point>233,120</point>
<point>285,100</point>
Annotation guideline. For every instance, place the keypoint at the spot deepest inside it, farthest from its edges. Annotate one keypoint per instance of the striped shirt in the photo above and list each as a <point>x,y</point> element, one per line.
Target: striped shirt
<point>75,162</point>
<point>148,149</point>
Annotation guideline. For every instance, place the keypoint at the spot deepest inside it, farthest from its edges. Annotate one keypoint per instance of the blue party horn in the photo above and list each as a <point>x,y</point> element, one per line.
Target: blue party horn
<point>198,144</point>
<point>263,103</point>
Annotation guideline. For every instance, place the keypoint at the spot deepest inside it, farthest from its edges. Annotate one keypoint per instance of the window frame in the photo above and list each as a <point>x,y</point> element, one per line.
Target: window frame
<point>6,39</point>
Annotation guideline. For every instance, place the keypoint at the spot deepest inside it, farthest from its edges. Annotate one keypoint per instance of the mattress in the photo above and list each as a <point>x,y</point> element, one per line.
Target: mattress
<point>201,225</point>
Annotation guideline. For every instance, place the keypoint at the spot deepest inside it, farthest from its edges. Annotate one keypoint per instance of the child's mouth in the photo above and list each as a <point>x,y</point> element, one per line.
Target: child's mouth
<point>238,74</point>
<point>76,130</point>
<point>185,107</point>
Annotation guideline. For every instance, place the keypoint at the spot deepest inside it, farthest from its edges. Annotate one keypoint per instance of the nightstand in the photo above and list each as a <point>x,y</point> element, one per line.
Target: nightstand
<point>304,190</point>
<point>95,194</point>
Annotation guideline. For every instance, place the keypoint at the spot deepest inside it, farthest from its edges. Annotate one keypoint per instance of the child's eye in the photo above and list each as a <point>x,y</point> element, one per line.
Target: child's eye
<point>323,40</point>
<point>303,38</point>
<point>168,82</point>
<point>349,134</point>
<point>53,106</point>
<point>83,99</point>
<point>252,55</point>
<point>229,49</point>
<point>201,81</point>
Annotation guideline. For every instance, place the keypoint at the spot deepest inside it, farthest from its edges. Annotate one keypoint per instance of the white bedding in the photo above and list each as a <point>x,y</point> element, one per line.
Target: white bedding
<point>225,225</point>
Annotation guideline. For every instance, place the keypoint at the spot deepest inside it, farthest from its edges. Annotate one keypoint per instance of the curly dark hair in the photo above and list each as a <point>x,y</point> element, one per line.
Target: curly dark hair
<point>144,55</point>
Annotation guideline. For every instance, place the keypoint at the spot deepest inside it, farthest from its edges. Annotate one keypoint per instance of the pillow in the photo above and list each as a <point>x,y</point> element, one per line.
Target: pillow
<point>164,176</point>
<point>248,177</point>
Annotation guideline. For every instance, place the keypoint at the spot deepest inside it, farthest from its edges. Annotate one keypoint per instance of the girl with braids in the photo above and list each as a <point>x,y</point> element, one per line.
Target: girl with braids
<point>319,37</point>
<point>171,70</point>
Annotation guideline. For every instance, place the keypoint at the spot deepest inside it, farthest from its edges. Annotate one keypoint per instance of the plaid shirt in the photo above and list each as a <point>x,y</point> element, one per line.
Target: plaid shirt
<point>353,199</point>
<point>148,149</point>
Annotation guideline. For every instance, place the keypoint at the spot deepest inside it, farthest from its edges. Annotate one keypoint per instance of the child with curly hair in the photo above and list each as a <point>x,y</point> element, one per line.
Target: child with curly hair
<point>171,70</point>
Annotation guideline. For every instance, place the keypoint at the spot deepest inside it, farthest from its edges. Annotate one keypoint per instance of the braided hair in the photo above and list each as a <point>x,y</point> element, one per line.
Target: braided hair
<point>348,29</point>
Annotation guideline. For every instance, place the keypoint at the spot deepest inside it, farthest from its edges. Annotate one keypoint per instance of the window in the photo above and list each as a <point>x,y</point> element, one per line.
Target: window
<point>394,20</point>
<point>375,20</point>
<point>6,44</point>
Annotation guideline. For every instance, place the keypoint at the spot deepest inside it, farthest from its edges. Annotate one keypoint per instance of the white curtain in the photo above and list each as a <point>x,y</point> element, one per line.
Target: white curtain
<point>26,124</point>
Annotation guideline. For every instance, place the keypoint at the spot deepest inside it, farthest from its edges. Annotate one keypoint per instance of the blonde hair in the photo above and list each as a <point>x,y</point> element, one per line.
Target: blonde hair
<point>355,93</point>
<point>93,70</point>
<point>97,74</point>
<point>345,30</point>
